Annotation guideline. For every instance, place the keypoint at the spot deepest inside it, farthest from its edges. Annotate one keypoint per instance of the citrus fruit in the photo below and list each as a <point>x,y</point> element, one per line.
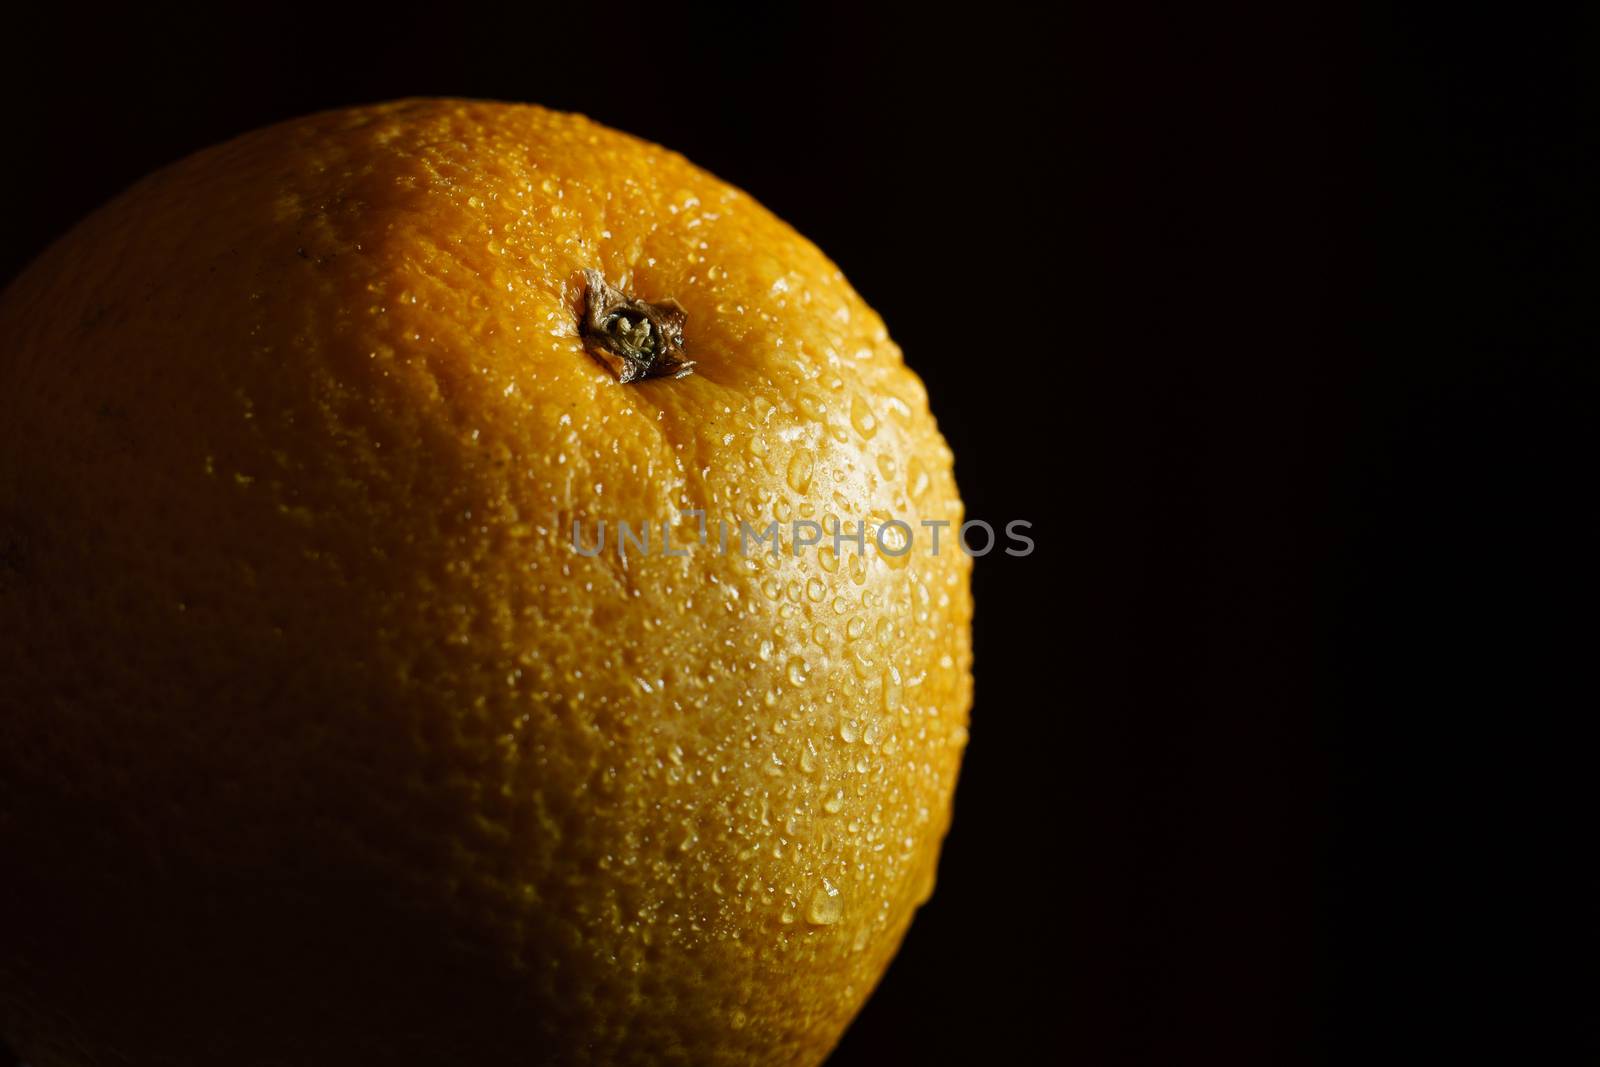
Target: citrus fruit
<point>330,731</point>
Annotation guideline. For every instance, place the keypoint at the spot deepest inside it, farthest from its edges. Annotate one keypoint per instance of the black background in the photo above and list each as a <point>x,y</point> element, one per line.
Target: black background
<point>1279,326</point>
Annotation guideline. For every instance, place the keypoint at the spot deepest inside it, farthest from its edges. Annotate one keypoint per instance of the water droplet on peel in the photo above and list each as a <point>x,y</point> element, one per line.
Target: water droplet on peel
<point>893,692</point>
<point>862,418</point>
<point>797,671</point>
<point>917,478</point>
<point>808,759</point>
<point>815,590</point>
<point>800,466</point>
<point>815,409</point>
<point>848,732</point>
<point>893,545</point>
<point>865,662</point>
<point>834,803</point>
<point>827,907</point>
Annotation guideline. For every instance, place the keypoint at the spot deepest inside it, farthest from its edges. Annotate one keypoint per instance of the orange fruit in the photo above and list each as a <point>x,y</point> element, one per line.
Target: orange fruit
<point>322,741</point>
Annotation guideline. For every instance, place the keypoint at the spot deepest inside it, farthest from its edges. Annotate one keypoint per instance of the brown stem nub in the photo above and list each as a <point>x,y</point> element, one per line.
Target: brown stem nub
<point>634,338</point>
